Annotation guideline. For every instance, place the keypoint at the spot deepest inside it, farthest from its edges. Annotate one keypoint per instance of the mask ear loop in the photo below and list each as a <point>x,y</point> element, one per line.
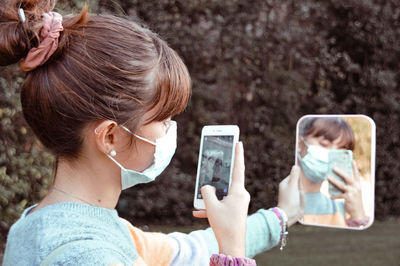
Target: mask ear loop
<point>115,161</point>
<point>139,137</point>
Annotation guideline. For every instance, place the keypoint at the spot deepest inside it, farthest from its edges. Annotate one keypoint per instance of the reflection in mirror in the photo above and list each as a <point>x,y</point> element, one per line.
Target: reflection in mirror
<point>336,155</point>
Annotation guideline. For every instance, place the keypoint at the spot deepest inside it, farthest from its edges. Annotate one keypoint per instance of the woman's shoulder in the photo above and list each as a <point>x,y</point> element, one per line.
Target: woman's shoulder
<point>63,218</point>
<point>47,228</point>
<point>87,252</point>
<point>76,252</point>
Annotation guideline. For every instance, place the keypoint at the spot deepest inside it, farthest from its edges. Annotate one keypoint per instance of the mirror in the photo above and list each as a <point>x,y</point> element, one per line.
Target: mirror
<point>336,155</point>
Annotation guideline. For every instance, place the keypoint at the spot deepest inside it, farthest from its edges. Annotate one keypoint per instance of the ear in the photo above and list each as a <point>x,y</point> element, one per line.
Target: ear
<point>301,147</point>
<point>300,143</point>
<point>106,135</point>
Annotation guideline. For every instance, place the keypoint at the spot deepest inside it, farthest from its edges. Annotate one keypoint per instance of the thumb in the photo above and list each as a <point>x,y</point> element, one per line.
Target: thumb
<point>294,175</point>
<point>302,204</point>
<point>200,213</point>
<point>208,193</point>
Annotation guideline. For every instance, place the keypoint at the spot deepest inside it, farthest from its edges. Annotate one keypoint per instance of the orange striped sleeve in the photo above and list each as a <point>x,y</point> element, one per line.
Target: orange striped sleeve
<point>153,248</point>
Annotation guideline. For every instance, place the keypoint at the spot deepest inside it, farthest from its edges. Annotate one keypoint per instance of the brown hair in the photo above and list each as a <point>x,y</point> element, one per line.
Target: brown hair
<point>105,67</point>
<point>331,128</point>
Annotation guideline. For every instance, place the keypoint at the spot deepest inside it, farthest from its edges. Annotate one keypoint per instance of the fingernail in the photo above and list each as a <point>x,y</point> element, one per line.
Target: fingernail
<point>208,187</point>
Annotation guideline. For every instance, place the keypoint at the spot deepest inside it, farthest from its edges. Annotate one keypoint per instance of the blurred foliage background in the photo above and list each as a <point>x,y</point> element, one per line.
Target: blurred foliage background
<point>362,129</point>
<point>260,64</point>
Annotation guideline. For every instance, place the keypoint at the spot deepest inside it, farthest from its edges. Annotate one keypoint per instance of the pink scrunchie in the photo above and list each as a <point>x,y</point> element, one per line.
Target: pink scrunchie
<point>37,56</point>
<point>224,260</point>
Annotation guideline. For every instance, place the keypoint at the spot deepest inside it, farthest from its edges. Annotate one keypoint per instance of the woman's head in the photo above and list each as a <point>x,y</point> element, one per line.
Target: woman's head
<point>328,132</point>
<point>105,68</point>
<point>317,136</point>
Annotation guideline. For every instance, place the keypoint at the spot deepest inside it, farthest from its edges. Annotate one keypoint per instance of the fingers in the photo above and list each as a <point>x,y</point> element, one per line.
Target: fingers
<point>238,168</point>
<point>291,180</point>
<point>346,178</point>
<point>294,176</point>
<point>209,197</point>
<point>341,196</point>
<point>340,185</point>
<point>301,189</point>
<point>302,204</point>
<point>200,214</point>
<point>356,173</point>
<point>302,195</point>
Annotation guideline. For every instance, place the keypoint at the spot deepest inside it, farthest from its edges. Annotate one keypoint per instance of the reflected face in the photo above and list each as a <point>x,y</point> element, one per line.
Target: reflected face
<point>319,141</point>
<point>325,143</point>
<point>317,162</point>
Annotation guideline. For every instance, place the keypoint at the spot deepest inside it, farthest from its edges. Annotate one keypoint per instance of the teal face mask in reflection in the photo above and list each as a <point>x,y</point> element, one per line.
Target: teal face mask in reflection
<point>165,150</point>
<point>315,163</point>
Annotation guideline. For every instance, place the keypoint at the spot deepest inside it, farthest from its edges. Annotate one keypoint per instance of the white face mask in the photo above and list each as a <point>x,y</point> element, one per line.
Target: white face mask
<point>315,163</point>
<point>165,149</point>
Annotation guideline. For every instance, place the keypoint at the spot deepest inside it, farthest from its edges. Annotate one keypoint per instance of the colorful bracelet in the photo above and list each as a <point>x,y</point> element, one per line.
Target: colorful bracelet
<point>357,223</point>
<point>283,222</point>
<point>224,260</point>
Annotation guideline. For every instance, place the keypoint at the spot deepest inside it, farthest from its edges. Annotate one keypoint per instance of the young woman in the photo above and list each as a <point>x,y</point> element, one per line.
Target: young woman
<point>318,137</point>
<point>99,93</point>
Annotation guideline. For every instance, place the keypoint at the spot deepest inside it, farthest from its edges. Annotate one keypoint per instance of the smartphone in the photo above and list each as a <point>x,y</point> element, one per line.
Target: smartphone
<point>216,158</point>
<point>342,160</point>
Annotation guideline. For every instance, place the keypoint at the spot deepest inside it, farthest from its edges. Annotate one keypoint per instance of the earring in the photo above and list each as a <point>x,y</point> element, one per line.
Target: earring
<point>21,15</point>
<point>113,153</point>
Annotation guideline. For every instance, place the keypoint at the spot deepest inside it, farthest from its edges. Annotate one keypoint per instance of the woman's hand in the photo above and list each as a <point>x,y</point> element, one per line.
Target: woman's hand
<point>228,216</point>
<point>291,196</point>
<point>352,193</point>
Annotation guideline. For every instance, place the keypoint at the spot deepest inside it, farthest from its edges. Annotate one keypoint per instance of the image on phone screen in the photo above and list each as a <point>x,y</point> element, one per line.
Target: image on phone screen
<point>216,164</point>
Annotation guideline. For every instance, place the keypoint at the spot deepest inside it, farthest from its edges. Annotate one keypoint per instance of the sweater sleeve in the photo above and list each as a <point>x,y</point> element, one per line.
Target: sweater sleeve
<point>262,233</point>
<point>153,248</point>
<point>196,248</point>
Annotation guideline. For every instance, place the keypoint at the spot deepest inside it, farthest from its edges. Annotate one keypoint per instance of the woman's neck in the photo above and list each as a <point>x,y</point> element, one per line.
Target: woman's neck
<point>308,186</point>
<point>85,181</point>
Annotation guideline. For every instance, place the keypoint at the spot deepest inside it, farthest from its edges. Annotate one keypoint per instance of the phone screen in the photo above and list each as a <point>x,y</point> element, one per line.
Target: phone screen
<point>216,163</point>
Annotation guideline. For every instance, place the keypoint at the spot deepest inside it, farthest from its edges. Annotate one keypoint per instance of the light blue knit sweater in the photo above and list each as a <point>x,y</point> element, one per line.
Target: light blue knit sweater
<point>33,237</point>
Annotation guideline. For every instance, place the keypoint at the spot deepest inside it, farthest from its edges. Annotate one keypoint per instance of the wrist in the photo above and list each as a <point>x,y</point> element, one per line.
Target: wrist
<point>283,214</point>
<point>358,215</point>
<point>283,219</point>
<point>234,250</point>
<point>289,220</point>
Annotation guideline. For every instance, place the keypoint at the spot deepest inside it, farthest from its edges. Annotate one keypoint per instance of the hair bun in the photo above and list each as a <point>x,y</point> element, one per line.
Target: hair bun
<point>17,37</point>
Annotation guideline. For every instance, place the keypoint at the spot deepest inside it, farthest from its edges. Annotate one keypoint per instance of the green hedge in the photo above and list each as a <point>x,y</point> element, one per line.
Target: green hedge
<point>264,64</point>
<point>259,64</point>
<point>25,169</point>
